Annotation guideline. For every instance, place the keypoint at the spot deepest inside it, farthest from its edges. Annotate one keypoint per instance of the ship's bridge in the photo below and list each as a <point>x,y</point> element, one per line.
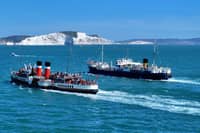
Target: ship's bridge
<point>126,62</point>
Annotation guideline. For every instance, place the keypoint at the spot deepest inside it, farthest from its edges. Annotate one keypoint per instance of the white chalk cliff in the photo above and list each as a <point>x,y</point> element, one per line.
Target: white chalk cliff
<point>59,38</point>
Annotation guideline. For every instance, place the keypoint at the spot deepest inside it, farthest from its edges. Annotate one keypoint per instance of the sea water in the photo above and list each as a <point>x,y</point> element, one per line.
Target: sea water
<point>122,104</point>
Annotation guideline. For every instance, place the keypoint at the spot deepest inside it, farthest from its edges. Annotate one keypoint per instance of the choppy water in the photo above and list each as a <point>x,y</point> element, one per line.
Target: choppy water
<point>122,105</point>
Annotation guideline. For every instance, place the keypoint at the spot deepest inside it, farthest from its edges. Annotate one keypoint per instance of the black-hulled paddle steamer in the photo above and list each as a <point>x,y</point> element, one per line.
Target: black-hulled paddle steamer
<point>34,77</point>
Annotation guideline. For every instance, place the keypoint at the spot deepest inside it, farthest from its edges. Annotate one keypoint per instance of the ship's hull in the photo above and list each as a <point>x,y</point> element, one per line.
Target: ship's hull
<point>130,74</point>
<point>34,84</point>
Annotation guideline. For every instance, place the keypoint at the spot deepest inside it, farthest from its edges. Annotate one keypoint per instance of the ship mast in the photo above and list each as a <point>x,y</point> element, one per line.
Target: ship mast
<point>102,53</point>
<point>69,56</point>
<point>154,52</point>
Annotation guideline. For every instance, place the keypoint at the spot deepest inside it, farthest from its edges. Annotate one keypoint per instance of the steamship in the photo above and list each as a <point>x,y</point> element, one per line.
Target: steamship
<point>126,67</point>
<point>34,77</point>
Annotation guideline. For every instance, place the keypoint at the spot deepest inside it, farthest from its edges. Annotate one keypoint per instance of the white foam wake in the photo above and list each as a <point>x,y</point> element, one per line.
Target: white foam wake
<point>18,55</point>
<point>29,56</point>
<point>183,81</point>
<point>163,103</point>
<point>33,56</point>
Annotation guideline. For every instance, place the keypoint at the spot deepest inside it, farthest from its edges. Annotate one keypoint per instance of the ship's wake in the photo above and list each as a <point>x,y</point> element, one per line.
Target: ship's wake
<point>27,56</point>
<point>19,55</point>
<point>164,103</point>
<point>183,81</point>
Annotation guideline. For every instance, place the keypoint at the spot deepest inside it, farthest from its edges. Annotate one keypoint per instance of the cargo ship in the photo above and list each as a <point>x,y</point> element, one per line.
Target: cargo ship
<point>126,67</point>
<point>34,77</point>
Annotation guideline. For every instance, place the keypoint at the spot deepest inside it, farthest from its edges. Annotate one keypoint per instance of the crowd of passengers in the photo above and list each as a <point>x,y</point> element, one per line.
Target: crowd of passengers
<point>70,78</point>
<point>64,75</point>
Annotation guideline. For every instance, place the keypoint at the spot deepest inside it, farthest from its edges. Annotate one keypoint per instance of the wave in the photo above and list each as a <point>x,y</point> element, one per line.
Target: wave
<point>164,103</point>
<point>182,80</point>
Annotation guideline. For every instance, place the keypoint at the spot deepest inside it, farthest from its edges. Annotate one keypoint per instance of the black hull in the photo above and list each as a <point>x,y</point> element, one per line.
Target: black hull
<point>131,74</point>
<point>35,85</point>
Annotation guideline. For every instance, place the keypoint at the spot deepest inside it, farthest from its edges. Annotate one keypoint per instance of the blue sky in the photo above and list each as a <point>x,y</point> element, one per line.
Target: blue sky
<point>113,19</point>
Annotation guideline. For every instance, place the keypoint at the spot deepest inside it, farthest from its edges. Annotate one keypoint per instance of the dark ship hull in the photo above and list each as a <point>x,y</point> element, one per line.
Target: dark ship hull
<point>137,74</point>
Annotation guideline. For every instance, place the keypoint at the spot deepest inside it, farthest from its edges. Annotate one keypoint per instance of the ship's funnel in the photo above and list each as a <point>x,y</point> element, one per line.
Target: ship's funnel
<point>145,63</point>
<point>47,70</point>
<point>39,68</point>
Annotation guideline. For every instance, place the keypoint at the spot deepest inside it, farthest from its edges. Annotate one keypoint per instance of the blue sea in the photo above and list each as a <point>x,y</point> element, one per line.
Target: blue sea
<point>122,105</point>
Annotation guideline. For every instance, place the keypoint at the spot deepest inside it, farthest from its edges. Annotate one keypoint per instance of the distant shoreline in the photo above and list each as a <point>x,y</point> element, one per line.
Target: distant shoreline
<point>81,38</point>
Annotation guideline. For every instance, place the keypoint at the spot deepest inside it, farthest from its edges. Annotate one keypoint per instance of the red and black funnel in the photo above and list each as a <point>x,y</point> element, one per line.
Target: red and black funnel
<point>47,70</point>
<point>39,68</point>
